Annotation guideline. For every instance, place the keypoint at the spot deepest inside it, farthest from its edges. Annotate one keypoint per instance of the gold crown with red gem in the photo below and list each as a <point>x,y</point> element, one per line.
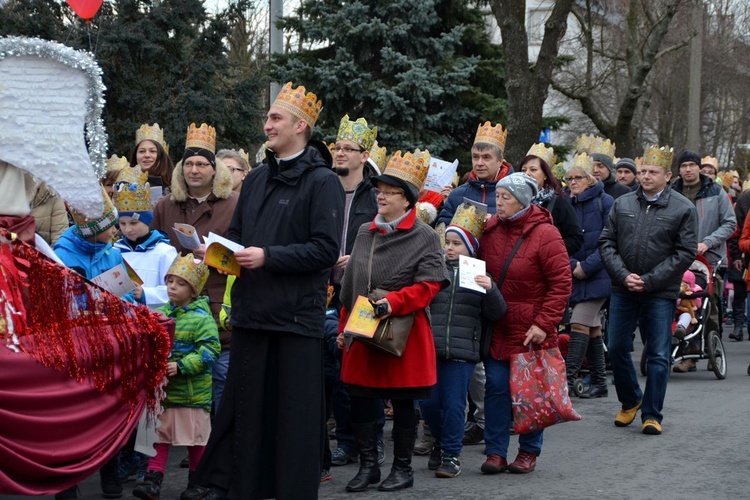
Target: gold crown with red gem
<point>541,151</point>
<point>304,106</point>
<point>411,168</point>
<point>492,135</point>
<point>203,137</point>
<point>660,156</point>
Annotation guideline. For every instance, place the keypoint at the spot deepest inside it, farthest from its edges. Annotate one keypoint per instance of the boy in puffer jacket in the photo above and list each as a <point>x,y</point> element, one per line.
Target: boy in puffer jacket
<point>458,315</point>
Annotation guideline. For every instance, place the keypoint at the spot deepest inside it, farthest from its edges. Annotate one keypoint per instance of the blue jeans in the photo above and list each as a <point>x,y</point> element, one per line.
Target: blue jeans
<point>654,317</point>
<point>221,367</point>
<point>445,411</point>
<point>498,413</point>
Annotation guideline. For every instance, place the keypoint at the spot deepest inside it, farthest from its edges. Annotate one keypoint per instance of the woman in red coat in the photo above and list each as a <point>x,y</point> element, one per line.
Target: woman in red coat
<point>536,288</point>
<point>398,253</point>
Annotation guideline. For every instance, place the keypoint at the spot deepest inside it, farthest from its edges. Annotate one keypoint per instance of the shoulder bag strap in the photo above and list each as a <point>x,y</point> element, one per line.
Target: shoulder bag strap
<point>369,267</point>
<point>507,262</point>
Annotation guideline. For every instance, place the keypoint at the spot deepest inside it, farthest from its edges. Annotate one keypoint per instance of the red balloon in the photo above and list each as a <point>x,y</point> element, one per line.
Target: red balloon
<point>85,8</point>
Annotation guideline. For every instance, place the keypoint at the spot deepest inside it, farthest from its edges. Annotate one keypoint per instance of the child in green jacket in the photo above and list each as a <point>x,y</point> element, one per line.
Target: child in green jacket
<point>186,418</point>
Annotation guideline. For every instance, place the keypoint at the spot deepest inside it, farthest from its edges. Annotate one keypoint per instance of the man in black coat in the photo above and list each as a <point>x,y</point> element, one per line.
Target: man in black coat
<point>267,436</point>
<point>604,171</point>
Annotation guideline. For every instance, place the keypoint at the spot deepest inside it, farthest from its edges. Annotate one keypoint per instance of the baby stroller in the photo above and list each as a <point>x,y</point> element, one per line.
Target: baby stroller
<point>701,334</point>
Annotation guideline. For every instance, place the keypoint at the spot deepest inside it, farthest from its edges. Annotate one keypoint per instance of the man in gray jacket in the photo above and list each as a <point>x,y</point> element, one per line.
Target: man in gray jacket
<point>649,241</point>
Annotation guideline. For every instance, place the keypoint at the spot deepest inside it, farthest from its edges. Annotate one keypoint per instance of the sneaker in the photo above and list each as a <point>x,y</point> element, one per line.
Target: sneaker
<point>449,467</point>
<point>68,494</point>
<point>685,366</point>
<point>651,427</point>
<point>680,332</point>
<point>474,435</point>
<point>494,464</point>
<point>524,463</point>
<point>424,447</point>
<point>381,452</point>
<point>343,457</point>
<point>626,417</point>
<point>436,457</point>
<point>325,475</point>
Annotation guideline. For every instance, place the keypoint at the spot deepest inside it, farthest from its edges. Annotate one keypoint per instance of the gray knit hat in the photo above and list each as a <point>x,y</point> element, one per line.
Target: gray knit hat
<point>627,163</point>
<point>602,158</point>
<point>521,186</point>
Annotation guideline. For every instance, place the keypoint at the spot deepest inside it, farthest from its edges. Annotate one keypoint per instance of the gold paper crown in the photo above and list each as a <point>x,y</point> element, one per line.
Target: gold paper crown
<point>357,132</point>
<point>117,163</point>
<point>379,155</point>
<point>132,191</point>
<point>203,137</point>
<point>595,145</point>
<point>304,106</point>
<point>494,136</point>
<point>558,170</point>
<point>638,161</point>
<point>92,227</point>
<point>245,156</point>
<point>467,217</point>
<point>726,179</point>
<point>151,133</point>
<point>584,162</point>
<point>660,156</point>
<point>543,152</point>
<point>193,271</point>
<point>410,168</point>
<point>710,160</point>
<point>583,143</point>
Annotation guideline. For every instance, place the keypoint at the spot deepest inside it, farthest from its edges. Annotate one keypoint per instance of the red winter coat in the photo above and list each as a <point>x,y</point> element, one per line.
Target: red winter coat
<point>538,282</point>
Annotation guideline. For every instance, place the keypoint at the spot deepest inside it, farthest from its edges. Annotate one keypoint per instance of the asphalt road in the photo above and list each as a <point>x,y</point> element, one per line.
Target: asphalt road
<point>702,454</point>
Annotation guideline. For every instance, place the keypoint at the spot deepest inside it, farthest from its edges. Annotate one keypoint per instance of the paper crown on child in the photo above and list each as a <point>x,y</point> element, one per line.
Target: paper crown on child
<point>93,227</point>
<point>584,162</point>
<point>492,135</point>
<point>132,194</point>
<point>541,151</point>
<point>151,133</point>
<point>411,168</point>
<point>203,137</point>
<point>659,156</point>
<point>195,272</point>
<point>117,163</point>
<point>468,223</point>
<point>378,156</point>
<point>304,106</point>
<point>358,132</point>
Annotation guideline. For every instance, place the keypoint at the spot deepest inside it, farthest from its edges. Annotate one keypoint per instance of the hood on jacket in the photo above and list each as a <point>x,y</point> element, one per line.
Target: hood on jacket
<point>222,187</point>
<point>200,305</point>
<point>154,237</point>
<point>505,169</point>
<point>75,243</point>
<point>315,155</point>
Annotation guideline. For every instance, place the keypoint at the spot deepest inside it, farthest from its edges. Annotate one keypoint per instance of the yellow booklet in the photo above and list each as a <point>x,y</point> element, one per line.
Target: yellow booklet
<point>132,274</point>
<point>362,321</point>
<point>220,254</point>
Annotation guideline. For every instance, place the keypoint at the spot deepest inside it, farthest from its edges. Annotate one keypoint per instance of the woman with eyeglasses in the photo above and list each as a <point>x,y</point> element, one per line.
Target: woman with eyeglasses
<point>536,164</point>
<point>237,164</point>
<point>401,257</point>
<point>591,283</point>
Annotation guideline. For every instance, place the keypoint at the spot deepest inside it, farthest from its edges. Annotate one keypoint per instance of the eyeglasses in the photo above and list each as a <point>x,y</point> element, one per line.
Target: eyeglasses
<point>347,150</point>
<point>235,169</point>
<point>576,178</point>
<point>388,194</point>
<point>200,166</point>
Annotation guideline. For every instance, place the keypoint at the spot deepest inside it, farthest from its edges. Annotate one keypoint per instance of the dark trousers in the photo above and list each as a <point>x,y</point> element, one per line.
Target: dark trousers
<point>267,436</point>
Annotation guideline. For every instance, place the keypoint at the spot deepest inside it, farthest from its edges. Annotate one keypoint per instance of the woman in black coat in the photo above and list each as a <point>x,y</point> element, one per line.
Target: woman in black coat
<point>550,196</point>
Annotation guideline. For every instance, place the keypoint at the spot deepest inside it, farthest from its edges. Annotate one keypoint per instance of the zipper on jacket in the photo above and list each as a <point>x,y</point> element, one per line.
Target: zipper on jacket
<point>450,316</point>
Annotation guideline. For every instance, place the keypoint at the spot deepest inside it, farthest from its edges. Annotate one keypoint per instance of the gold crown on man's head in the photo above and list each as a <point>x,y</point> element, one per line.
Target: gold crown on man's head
<point>92,227</point>
<point>151,133</point>
<point>379,155</point>
<point>117,163</point>
<point>410,168</point>
<point>710,160</point>
<point>195,272</point>
<point>659,156</point>
<point>304,106</point>
<point>584,162</point>
<point>132,191</point>
<point>492,135</point>
<point>543,152</point>
<point>357,132</point>
<point>203,137</point>
<point>583,143</point>
<point>592,144</point>
<point>469,218</point>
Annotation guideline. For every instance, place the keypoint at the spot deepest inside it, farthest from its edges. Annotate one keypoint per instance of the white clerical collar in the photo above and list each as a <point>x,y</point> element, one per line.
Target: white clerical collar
<point>289,158</point>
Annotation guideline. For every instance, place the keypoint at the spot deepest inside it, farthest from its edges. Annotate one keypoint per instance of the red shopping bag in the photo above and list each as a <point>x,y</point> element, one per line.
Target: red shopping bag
<point>539,390</point>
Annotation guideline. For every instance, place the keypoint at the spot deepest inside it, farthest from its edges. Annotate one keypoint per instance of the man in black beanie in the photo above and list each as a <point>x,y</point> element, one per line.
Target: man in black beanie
<point>627,173</point>
<point>716,223</point>
<point>603,170</point>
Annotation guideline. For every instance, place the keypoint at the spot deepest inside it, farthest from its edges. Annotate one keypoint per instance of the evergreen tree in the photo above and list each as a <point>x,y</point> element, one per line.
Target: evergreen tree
<point>419,77</point>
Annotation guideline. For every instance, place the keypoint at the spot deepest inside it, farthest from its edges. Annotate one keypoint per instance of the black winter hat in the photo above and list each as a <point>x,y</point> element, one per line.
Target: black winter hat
<point>688,155</point>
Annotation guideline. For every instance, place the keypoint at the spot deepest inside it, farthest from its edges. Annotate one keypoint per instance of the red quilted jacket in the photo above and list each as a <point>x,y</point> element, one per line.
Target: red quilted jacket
<point>538,282</point>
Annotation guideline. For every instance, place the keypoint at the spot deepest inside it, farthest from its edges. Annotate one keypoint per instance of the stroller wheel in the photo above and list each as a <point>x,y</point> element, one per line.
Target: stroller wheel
<point>578,387</point>
<point>717,356</point>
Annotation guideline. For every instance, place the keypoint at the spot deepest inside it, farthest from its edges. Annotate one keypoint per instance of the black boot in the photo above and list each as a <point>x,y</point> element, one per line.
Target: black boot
<point>595,355</point>
<point>401,475</point>
<point>110,479</point>
<point>738,333</point>
<point>151,487</point>
<point>576,353</point>
<point>366,439</point>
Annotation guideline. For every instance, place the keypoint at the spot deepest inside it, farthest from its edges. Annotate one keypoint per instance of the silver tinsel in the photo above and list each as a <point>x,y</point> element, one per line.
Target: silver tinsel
<point>96,136</point>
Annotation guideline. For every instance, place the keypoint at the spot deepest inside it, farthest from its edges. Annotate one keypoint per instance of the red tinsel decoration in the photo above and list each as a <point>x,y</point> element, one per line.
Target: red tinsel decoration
<point>72,325</point>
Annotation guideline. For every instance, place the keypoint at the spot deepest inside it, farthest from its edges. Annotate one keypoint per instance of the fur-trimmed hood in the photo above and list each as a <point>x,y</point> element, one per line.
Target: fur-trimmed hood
<point>222,187</point>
